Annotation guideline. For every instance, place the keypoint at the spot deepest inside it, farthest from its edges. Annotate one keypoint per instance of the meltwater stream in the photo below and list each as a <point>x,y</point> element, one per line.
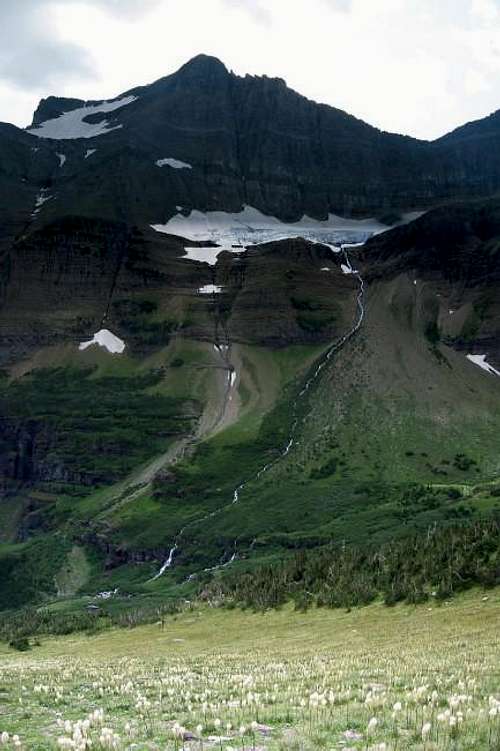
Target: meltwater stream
<point>285,450</point>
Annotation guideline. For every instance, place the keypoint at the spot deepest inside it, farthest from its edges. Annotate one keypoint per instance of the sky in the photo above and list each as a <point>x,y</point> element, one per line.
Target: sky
<point>420,67</point>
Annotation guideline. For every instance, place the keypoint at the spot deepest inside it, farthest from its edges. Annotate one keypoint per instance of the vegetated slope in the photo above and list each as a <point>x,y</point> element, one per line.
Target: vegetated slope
<point>398,434</point>
<point>76,422</point>
<point>402,429</point>
<point>402,404</point>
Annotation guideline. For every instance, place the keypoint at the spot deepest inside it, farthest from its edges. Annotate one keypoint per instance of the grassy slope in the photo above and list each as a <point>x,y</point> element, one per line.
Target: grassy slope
<point>127,511</point>
<point>205,629</point>
<point>283,654</point>
<point>206,480</point>
<point>391,411</point>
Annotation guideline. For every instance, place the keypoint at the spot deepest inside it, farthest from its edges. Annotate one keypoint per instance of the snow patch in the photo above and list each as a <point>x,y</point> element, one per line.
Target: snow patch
<point>175,163</point>
<point>480,360</point>
<point>62,159</point>
<point>208,255</point>
<point>105,339</point>
<point>325,268</point>
<point>72,124</point>
<point>89,152</point>
<point>210,289</point>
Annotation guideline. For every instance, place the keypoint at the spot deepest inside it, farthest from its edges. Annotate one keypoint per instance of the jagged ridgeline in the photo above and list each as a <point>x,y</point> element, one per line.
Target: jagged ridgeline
<point>196,381</point>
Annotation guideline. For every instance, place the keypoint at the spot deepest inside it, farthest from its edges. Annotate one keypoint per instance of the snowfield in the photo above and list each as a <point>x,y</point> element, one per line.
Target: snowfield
<point>251,227</point>
<point>104,338</point>
<point>72,124</point>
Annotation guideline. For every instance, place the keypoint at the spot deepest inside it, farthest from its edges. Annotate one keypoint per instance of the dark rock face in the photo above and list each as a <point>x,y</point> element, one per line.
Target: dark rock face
<point>251,141</point>
<point>53,106</point>
<point>65,281</point>
<point>277,295</point>
<point>69,264</point>
<point>455,252</point>
<point>116,555</point>
<point>460,243</point>
<point>28,460</point>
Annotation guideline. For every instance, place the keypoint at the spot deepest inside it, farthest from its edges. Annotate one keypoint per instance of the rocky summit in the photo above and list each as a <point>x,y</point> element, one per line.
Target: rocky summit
<point>238,326</point>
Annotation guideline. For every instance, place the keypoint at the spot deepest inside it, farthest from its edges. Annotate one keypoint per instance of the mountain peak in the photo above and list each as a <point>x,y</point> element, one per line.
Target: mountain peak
<point>54,106</point>
<point>204,65</point>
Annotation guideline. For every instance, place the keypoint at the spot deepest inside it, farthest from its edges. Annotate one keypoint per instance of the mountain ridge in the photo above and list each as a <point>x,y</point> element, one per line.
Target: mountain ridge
<point>204,64</point>
<point>249,140</point>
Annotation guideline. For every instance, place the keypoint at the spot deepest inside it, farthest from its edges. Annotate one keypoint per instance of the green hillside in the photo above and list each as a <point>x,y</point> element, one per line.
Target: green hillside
<point>132,457</point>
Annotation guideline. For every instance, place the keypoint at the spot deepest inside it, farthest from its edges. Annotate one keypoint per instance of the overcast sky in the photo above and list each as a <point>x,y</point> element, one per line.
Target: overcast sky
<point>420,67</point>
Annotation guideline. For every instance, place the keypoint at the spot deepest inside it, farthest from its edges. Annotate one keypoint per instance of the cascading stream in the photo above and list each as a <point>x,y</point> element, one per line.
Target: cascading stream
<point>335,347</point>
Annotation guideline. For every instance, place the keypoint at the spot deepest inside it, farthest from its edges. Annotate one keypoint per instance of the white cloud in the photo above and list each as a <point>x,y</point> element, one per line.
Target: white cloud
<point>253,7</point>
<point>414,66</point>
<point>30,51</point>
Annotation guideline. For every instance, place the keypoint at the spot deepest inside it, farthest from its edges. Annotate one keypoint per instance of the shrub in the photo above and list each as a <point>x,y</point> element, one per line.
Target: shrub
<point>20,643</point>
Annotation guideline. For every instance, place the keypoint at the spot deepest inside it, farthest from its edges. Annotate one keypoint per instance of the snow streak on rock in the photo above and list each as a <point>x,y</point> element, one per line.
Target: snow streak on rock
<point>480,360</point>
<point>171,162</point>
<point>42,197</point>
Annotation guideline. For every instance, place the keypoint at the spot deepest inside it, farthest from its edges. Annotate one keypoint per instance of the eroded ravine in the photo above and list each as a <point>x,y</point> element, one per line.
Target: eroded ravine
<point>291,440</point>
<point>141,481</point>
